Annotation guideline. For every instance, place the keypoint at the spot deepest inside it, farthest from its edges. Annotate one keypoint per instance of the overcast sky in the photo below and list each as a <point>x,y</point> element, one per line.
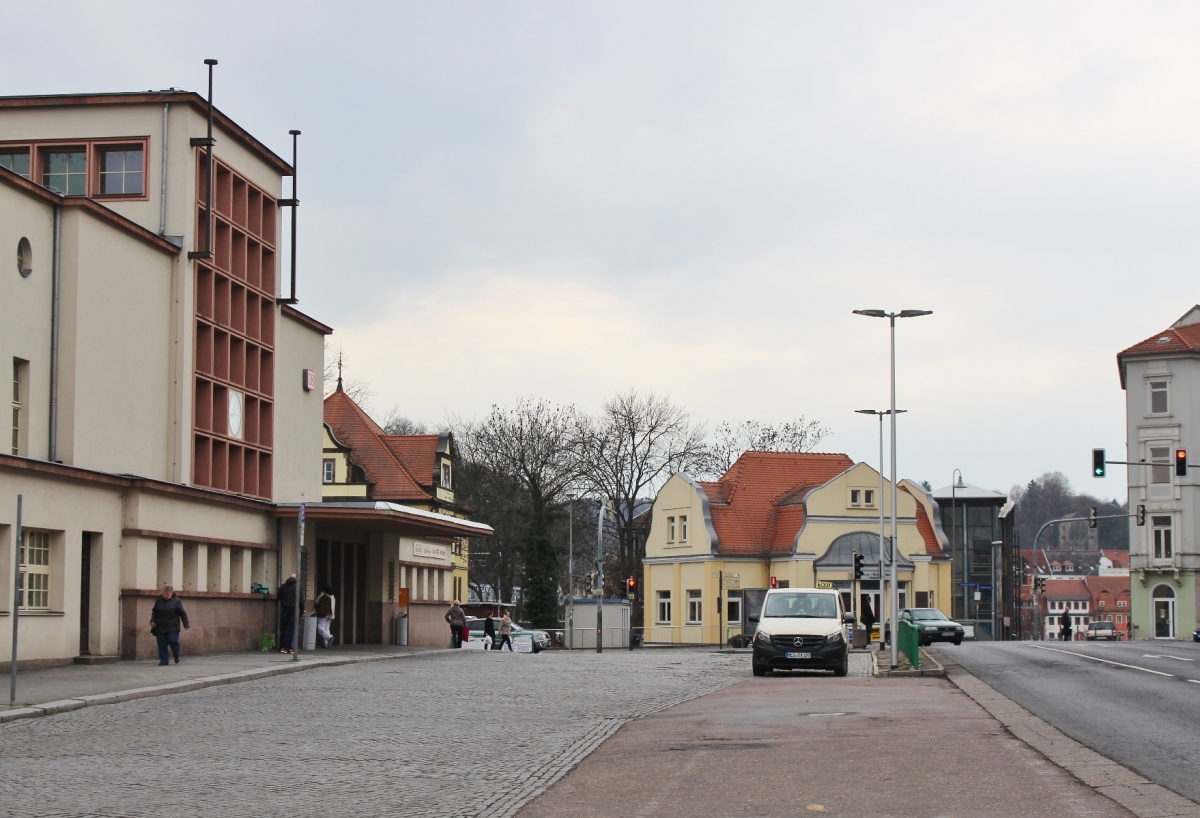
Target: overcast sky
<point>566,200</point>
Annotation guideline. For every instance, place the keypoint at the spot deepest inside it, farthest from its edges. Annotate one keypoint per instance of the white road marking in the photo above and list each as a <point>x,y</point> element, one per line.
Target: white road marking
<point>1165,656</point>
<point>1105,661</point>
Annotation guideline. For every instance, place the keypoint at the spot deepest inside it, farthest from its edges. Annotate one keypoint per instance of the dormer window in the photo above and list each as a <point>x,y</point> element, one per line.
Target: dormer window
<point>446,482</point>
<point>328,471</point>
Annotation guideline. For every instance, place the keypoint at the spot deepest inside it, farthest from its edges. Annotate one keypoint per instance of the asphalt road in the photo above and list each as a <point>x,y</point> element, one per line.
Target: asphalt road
<point>1138,703</point>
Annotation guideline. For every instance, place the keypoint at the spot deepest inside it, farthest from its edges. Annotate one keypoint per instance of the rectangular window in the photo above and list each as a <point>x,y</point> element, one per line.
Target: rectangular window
<point>869,497</point>
<point>664,607</point>
<point>1160,471</point>
<point>695,608</point>
<point>328,471</point>
<point>855,494</point>
<point>670,529</point>
<point>65,170</point>
<point>1158,397</point>
<point>34,593</point>
<point>16,160</point>
<point>1121,603</point>
<point>19,399</point>
<point>683,528</point>
<point>1162,537</point>
<point>120,171</point>
<point>446,476</point>
<point>733,610</point>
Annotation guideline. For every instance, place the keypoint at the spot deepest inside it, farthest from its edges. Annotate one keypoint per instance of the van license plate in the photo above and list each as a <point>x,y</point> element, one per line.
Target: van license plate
<point>799,656</point>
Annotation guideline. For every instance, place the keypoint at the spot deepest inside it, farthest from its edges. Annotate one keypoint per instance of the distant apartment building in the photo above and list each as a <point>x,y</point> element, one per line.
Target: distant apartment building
<point>1161,379</point>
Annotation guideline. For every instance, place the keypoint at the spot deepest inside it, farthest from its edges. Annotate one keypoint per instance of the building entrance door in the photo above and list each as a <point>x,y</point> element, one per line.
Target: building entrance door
<point>1164,612</point>
<point>342,566</point>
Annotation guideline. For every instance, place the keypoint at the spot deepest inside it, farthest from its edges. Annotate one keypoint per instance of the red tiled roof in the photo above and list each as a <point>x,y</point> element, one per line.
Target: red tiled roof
<point>932,547</point>
<point>385,471</point>
<point>1171,341</point>
<point>419,453</point>
<point>1119,559</point>
<point>1117,587</point>
<point>1067,589</point>
<point>755,508</point>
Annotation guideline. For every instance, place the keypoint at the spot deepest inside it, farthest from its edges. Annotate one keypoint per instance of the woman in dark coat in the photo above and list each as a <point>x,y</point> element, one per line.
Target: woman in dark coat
<point>165,618</point>
<point>1064,626</point>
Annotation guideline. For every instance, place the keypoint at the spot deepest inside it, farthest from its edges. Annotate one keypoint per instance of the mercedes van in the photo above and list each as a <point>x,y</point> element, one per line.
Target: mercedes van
<point>801,628</point>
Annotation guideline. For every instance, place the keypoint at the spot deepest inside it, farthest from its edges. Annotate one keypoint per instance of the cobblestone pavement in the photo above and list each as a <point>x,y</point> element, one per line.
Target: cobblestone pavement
<point>468,734</point>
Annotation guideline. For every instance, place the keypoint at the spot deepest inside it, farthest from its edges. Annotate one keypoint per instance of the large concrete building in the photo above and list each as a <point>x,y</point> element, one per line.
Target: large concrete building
<point>1161,379</point>
<point>166,410</point>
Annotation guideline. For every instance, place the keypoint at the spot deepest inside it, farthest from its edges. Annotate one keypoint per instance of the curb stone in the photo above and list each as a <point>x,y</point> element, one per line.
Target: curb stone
<point>189,685</point>
<point>1140,796</point>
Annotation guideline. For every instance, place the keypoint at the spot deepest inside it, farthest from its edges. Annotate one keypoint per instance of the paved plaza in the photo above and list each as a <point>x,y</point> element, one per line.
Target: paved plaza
<point>455,734</point>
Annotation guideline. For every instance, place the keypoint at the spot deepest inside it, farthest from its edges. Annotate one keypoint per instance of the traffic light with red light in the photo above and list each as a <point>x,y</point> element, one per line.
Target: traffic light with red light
<point>1181,462</point>
<point>631,588</point>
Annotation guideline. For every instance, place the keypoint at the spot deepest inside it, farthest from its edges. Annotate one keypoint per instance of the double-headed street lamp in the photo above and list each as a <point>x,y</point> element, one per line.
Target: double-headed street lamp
<point>895,589</point>
<point>880,413</point>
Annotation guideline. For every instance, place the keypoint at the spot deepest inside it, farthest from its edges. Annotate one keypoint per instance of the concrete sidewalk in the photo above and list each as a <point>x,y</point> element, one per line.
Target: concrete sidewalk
<point>54,690</point>
<point>797,744</point>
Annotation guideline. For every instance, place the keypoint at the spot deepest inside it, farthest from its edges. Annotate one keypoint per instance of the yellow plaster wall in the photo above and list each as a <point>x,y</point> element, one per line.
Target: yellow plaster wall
<point>678,497</point>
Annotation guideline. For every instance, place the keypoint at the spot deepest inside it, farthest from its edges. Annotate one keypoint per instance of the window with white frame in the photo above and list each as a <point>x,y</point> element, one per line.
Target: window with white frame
<point>868,497</point>
<point>695,608</point>
<point>1161,534</point>
<point>19,399</point>
<point>327,471</point>
<point>34,593</point>
<point>1122,603</point>
<point>1160,469</point>
<point>855,497</point>
<point>670,529</point>
<point>683,528</point>
<point>664,607</point>
<point>1159,404</point>
<point>446,475</point>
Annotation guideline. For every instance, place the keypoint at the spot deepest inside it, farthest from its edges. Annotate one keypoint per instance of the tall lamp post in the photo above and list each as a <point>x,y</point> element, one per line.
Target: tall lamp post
<point>956,483</point>
<point>880,413</point>
<point>895,553</point>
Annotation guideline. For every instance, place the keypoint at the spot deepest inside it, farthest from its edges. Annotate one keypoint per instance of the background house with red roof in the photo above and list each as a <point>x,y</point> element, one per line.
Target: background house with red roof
<point>793,518</point>
<point>1161,379</point>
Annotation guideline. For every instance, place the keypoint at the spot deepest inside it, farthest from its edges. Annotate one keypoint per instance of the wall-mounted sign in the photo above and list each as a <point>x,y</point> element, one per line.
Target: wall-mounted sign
<point>310,380</point>
<point>523,643</point>
<point>437,552</point>
<point>403,598</point>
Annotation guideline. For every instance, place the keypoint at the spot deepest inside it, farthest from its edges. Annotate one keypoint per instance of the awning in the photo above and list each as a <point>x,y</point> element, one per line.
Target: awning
<point>376,516</point>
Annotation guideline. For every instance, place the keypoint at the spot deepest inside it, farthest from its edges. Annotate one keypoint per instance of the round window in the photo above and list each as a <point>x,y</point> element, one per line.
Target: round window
<point>24,258</point>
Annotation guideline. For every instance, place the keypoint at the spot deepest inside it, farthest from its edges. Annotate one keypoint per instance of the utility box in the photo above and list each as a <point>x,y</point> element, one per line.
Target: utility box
<point>310,632</point>
<point>617,613</point>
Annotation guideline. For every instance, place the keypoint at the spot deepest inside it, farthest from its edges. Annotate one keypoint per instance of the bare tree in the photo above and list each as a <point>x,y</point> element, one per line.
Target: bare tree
<point>533,443</point>
<point>627,452</point>
<point>729,442</point>
<point>397,424</point>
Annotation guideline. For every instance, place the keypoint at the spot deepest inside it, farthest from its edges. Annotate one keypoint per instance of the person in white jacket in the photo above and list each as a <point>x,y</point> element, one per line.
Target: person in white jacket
<point>326,610</point>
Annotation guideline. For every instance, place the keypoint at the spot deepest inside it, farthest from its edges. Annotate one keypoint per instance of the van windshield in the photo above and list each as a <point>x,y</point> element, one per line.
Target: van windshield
<point>801,605</point>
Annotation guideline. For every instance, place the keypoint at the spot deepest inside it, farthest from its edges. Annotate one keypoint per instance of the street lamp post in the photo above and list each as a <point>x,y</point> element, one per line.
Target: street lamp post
<point>895,552</point>
<point>956,483</point>
<point>880,413</point>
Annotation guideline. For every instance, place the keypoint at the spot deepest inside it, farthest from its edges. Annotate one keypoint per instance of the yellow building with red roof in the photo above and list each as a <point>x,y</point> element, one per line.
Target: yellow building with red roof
<point>782,519</point>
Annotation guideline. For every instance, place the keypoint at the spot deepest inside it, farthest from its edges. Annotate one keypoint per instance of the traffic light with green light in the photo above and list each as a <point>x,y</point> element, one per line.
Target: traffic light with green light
<point>1099,469</point>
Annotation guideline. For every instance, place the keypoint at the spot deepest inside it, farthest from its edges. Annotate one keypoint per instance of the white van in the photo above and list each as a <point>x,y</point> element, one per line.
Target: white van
<point>801,628</point>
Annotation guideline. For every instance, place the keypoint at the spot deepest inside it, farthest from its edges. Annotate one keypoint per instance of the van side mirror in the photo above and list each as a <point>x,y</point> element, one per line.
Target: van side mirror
<point>848,618</point>
<point>752,618</point>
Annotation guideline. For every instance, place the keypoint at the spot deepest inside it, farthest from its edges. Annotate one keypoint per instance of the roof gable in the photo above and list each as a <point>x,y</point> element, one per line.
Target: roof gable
<point>385,471</point>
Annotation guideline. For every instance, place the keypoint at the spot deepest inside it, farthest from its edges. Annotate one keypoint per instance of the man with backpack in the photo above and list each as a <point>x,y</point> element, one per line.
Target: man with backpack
<point>326,605</point>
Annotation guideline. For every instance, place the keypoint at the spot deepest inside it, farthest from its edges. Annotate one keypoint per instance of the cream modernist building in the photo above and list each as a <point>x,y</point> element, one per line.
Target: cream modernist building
<point>788,519</point>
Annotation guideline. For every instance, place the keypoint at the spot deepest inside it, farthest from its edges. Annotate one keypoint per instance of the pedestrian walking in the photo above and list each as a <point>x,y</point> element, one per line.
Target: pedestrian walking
<point>505,632</point>
<point>326,612</point>
<point>165,618</point>
<point>1064,626</point>
<point>458,622</point>
<point>489,632</point>
<point>287,595</point>
<point>868,616</point>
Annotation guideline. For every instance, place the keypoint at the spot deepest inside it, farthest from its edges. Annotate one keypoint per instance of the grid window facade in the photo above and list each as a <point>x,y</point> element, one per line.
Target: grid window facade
<point>121,171</point>
<point>695,608</point>
<point>664,607</point>
<point>34,593</point>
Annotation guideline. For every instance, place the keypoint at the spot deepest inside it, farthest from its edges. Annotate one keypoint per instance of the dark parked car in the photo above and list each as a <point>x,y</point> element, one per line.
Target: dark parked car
<point>1101,630</point>
<point>933,626</point>
<point>1196,635</point>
